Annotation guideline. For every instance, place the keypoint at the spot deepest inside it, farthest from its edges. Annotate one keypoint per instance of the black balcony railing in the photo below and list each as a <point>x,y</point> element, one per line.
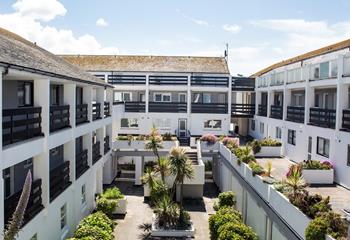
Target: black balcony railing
<point>34,205</point>
<point>59,117</point>
<point>96,153</point>
<point>127,79</point>
<point>322,117</point>
<point>243,84</point>
<point>107,109</point>
<point>81,163</point>
<point>81,114</point>
<point>135,106</point>
<point>168,80</point>
<point>295,114</point>
<point>20,124</point>
<point>209,81</point>
<point>262,110</point>
<point>96,111</point>
<point>346,120</point>
<point>173,107</point>
<point>242,110</point>
<point>59,180</point>
<point>276,112</point>
<point>106,146</point>
<point>209,108</point>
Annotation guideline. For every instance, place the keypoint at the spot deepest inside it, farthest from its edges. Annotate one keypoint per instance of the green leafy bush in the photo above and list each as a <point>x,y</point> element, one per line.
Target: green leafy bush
<point>112,193</point>
<point>244,154</point>
<point>167,136</point>
<point>226,199</point>
<point>256,146</point>
<point>100,220</point>
<point>93,232</point>
<point>159,190</point>
<point>106,206</point>
<point>315,164</point>
<point>222,216</point>
<point>266,142</point>
<point>236,230</point>
<point>256,168</point>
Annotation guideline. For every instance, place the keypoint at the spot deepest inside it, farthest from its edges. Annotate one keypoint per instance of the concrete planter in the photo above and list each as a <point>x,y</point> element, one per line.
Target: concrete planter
<point>291,214</point>
<point>209,147</point>
<point>135,144</point>
<point>225,152</point>
<point>159,232</point>
<point>270,152</point>
<point>257,183</point>
<point>121,207</point>
<point>316,176</point>
<point>241,169</point>
<point>146,190</point>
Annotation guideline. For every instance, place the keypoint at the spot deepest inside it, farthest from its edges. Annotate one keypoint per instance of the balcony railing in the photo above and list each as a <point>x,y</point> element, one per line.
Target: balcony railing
<point>96,111</point>
<point>276,112</point>
<point>243,84</point>
<point>107,109</point>
<point>295,114</point>
<point>168,80</point>
<point>179,107</point>
<point>59,180</point>
<point>242,110</point>
<point>220,108</point>
<point>106,146</point>
<point>135,106</point>
<point>59,117</point>
<point>81,114</point>
<point>20,124</point>
<point>34,205</point>
<point>96,153</point>
<point>346,120</point>
<point>81,163</point>
<point>322,117</point>
<point>262,110</point>
<point>209,81</point>
<point>127,79</point>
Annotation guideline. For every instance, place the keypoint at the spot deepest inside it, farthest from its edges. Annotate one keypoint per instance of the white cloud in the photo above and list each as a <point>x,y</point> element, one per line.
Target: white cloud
<point>101,22</point>
<point>192,19</point>
<point>49,37</point>
<point>231,28</point>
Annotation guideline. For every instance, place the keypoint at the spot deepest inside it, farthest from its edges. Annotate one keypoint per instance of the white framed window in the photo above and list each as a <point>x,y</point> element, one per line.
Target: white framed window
<point>83,194</point>
<point>214,124</point>
<point>122,96</point>
<point>162,97</point>
<point>129,123</point>
<point>323,146</point>
<point>162,123</point>
<point>262,126</point>
<point>182,97</point>
<point>63,216</point>
<point>291,137</point>
<point>252,125</point>
<point>206,98</point>
<point>346,65</point>
<point>278,133</point>
<point>334,68</point>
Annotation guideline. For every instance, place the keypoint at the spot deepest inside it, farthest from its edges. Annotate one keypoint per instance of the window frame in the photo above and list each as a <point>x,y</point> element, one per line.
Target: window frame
<point>212,128</point>
<point>278,133</point>
<point>21,87</point>
<point>162,95</point>
<point>63,217</point>
<point>262,128</point>
<point>325,144</point>
<point>83,195</point>
<point>291,139</point>
<point>128,127</point>
<point>252,125</point>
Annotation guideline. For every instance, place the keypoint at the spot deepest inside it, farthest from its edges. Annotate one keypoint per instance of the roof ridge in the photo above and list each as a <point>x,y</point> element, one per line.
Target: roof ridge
<point>134,55</point>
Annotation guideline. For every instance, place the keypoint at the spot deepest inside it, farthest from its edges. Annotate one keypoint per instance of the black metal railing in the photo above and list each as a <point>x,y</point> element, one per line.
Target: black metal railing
<point>106,146</point>
<point>168,80</point>
<point>276,112</point>
<point>59,180</point>
<point>127,79</point>
<point>96,153</point>
<point>209,108</point>
<point>243,84</point>
<point>262,110</point>
<point>173,107</point>
<point>209,81</point>
<point>59,117</point>
<point>20,124</point>
<point>96,111</point>
<point>34,205</point>
<point>107,109</point>
<point>81,163</point>
<point>346,120</point>
<point>135,106</point>
<point>322,117</point>
<point>81,115</point>
<point>242,110</point>
<point>295,114</point>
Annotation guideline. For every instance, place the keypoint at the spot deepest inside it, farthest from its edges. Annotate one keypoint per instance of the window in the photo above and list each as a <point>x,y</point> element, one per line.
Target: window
<point>162,123</point>
<point>315,71</point>
<point>55,94</point>
<point>182,97</point>
<point>25,94</point>
<point>64,216</point>
<point>334,68</point>
<point>212,124</point>
<point>34,237</point>
<point>278,133</point>
<point>83,194</point>
<point>79,95</point>
<point>206,98</point>
<point>262,126</point>
<point>129,123</point>
<point>323,146</point>
<point>291,137</point>
<point>252,125</point>
<point>348,162</point>
<point>162,97</point>
<point>346,66</point>
<point>324,70</point>
<point>126,96</point>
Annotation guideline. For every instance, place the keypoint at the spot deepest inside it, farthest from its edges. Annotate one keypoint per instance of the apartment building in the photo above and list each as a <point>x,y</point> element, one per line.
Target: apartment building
<point>304,102</point>
<point>186,96</point>
<point>56,123</point>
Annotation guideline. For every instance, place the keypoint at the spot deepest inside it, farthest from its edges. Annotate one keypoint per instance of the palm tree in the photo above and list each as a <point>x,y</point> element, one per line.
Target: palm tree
<point>167,212</point>
<point>163,167</point>
<point>150,178</point>
<point>155,142</point>
<point>180,167</point>
<point>295,179</point>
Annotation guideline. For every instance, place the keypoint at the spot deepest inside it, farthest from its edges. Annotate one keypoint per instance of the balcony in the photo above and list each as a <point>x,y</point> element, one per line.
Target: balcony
<point>96,155</point>
<point>34,203</point>
<point>81,163</point>
<point>295,114</point>
<point>322,117</point>
<point>262,110</point>
<point>96,111</point>
<point>209,81</point>
<point>81,115</point>
<point>168,80</point>
<point>135,106</point>
<point>59,180</point>
<point>59,117</point>
<point>171,107</point>
<point>220,108</point>
<point>20,124</point>
<point>243,84</point>
<point>127,79</point>
<point>346,120</point>
<point>106,146</point>
<point>276,112</point>
<point>106,109</point>
<point>242,110</point>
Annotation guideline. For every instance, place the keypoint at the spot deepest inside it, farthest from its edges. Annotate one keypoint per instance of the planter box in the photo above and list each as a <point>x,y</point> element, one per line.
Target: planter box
<point>257,183</point>
<point>291,214</point>
<point>135,144</point>
<point>121,207</point>
<point>146,190</point>
<point>158,232</point>
<point>225,152</point>
<point>316,176</point>
<point>270,152</point>
<point>209,147</point>
<point>241,169</point>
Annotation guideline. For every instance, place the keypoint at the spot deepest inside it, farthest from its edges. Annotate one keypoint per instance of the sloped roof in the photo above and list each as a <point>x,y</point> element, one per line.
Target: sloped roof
<point>18,52</point>
<point>123,63</point>
<point>331,48</point>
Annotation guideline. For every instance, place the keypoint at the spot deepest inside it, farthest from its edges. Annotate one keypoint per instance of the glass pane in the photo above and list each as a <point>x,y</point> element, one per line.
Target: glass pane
<point>157,97</point>
<point>166,98</point>
<point>334,68</point>
<point>206,98</point>
<point>324,72</point>
<point>347,66</point>
<point>127,97</point>
<point>124,122</point>
<point>182,98</point>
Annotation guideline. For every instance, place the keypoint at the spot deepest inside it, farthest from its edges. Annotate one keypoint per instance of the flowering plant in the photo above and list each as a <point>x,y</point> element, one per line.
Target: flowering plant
<point>209,138</point>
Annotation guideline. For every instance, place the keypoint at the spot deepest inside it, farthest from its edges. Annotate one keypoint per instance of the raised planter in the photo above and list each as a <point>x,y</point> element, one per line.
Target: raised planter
<point>318,176</point>
<point>146,190</point>
<point>257,183</point>
<point>121,207</point>
<point>159,232</point>
<point>136,144</point>
<point>209,147</point>
<point>275,151</point>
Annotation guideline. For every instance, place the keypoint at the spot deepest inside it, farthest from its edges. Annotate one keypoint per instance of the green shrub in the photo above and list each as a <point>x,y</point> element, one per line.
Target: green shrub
<point>256,146</point>
<point>221,217</point>
<point>270,142</point>
<point>226,199</point>
<point>112,193</point>
<point>107,206</point>
<point>93,232</point>
<point>337,227</point>
<point>167,136</point>
<point>236,230</point>
<point>316,230</point>
<point>159,190</point>
<point>315,164</point>
<point>100,220</point>
<point>256,168</point>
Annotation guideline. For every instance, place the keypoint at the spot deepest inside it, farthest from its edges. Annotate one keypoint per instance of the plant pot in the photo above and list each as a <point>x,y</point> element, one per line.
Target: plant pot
<point>275,151</point>
<point>159,232</point>
<point>317,176</point>
<point>146,190</point>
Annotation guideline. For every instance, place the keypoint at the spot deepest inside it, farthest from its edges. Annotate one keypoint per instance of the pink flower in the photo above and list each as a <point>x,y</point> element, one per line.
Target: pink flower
<point>209,138</point>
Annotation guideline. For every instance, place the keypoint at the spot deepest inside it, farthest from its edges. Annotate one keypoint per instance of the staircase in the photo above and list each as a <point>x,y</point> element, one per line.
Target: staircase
<point>192,155</point>
<point>184,141</point>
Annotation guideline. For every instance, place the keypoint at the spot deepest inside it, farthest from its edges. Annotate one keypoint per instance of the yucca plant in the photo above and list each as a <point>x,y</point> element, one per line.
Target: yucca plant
<point>167,212</point>
<point>163,167</point>
<point>295,179</point>
<point>155,142</point>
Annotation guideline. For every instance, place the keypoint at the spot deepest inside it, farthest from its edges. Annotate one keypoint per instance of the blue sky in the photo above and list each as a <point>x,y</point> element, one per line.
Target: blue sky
<point>259,33</point>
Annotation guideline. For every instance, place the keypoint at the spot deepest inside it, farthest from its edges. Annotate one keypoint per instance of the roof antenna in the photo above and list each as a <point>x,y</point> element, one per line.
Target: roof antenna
<point>226,52</point>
